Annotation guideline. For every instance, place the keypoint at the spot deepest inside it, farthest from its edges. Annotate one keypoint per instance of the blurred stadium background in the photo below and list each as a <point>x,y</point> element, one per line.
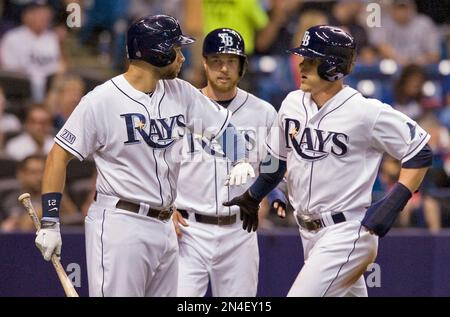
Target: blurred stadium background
<point>50,56</point>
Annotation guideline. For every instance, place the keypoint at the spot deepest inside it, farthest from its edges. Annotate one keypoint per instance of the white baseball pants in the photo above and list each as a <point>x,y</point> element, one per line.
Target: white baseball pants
<point>129,254</point>
<point>226,255</point>
<point>335,259</point>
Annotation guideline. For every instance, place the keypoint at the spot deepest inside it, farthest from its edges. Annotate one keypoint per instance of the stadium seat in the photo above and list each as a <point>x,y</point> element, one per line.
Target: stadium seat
<point>7,168</point>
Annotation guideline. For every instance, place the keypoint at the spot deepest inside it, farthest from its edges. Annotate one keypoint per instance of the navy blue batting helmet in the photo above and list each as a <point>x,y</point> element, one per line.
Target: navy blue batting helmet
<point>225,41</point>
<point>153,40</point>
<point>334,47</point>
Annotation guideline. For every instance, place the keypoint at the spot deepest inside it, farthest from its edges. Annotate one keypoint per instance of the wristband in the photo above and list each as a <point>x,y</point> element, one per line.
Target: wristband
<point>50,206</point>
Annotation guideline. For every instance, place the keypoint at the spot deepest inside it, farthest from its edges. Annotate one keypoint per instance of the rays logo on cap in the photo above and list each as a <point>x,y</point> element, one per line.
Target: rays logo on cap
<point>306,39</point>
<point>227,40</point>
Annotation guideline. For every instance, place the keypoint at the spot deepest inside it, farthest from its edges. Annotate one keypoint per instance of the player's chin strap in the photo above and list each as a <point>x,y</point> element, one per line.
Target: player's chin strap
<point>380,216</point>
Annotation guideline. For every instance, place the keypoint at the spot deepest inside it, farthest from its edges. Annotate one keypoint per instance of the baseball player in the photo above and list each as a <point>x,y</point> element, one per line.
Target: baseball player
<point>212,244</point>
<point>331,140</point>
<point>130,125</point>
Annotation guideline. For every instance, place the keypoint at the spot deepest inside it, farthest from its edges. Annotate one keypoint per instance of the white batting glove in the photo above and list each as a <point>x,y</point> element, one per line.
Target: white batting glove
<point>239,174</point>
<point>48,240</point>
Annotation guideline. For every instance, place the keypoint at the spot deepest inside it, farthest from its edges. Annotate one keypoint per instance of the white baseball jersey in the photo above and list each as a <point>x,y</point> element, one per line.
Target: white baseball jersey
<point>205,164</point>
<point>333,154</point>
<point>132,136</point>
<point>226,255</point>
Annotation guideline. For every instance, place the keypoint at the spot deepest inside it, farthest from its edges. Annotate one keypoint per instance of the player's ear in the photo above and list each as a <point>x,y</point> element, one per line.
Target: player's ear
<point>204,63</point>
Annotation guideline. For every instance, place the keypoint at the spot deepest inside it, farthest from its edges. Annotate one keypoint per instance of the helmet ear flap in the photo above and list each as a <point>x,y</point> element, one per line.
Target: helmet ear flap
<point>160,58</point>
<point>332,68</point>
<point>244,64</point>
<point>170,56</point>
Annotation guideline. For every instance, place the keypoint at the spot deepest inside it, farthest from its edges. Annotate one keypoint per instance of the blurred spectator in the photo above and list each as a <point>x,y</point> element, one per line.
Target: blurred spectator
<point>246,16</point>
<point>306,20</point>
<point>29,175</point>
<point>64,95</point>
<point>444,115</point>
<point>202,16</point>
<point>440,136</point>
<point>440,144</point>
<point>12,9</point>
<point>275,38</point>
<point>102,15</point>
<point>406,36</point>
<point>192,21</point>
<point>345,14</point>
<point>368,56</point>
<point>11,12</point>
<point>61,29</point>
<point>141,8</point>
<point>408,92</point>
<point>9,123</point>
<point>104,29</point>
<point>438,176</point>
<point>33,49</point>
<point>420,201</point>
<point>37,137</point>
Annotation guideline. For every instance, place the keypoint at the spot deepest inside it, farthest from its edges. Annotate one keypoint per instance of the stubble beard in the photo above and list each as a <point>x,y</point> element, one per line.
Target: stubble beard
<point>224,88</point>
<point>169,72</point>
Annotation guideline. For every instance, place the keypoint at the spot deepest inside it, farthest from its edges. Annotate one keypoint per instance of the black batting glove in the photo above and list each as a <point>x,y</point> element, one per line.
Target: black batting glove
<point>249,210</point>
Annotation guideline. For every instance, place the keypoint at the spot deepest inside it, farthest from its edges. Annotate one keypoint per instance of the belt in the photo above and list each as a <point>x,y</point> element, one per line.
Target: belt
<point>315,224</point>
<point>213,220</point>
<point>163,215</point>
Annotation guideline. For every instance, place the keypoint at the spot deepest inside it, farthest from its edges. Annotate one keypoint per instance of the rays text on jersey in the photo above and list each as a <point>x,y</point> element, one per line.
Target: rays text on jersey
<point>314,144</point>
<point>160,133</point>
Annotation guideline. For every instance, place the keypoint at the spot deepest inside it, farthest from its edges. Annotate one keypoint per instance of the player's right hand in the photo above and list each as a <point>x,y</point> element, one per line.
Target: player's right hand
<point>178,219</point>
<point>249,207</point>
<point>239,174</point>
<point>48,239</point>
<point>277,199</point>
<point>280,208</point>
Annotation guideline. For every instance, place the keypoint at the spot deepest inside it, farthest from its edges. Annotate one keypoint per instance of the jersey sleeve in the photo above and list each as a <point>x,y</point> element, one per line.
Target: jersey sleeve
<point>205,117</point>
<point>276,140</point>
<point>397,134</point>
<point>78,136</point>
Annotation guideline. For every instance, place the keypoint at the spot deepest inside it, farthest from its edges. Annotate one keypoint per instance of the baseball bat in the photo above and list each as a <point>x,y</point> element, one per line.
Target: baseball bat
<point>65,282</point>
